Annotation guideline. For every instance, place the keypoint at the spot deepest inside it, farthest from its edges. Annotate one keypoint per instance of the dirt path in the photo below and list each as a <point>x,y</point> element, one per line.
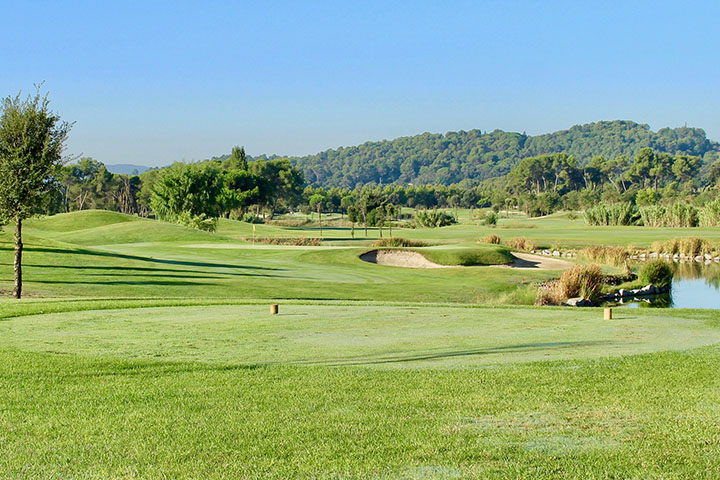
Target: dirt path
<point>407,259</point>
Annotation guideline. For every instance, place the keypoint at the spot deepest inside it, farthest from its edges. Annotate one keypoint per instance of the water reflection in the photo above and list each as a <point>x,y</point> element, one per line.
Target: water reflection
<point>695,285</point>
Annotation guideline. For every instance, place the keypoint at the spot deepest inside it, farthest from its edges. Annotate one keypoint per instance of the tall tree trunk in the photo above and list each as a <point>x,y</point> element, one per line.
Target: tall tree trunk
<point>17,265</point>
<point>320,219</point>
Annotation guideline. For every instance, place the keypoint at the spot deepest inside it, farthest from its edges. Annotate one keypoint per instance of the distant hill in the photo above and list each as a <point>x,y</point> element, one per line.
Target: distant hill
<point>127,168</point>
<point>473,156</point>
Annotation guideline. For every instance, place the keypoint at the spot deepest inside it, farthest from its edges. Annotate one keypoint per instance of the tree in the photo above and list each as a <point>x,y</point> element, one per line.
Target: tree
<point>240,190</point>
<point>32,139</point>
<point>282,183</point>
<point>353,216</point>
<point>188,194</point>
<point>237,160</point>
<point>317,201</point>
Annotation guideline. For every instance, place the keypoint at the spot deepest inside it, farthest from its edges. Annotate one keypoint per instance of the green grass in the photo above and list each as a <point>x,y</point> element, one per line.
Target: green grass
<point>148,258</point>
<point>230,392</point>
<point>146,350</point>
<point>384,335</point>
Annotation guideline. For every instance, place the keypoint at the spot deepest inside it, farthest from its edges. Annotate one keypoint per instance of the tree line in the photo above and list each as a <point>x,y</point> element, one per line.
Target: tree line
<point>547,183</point>
<point>467,158</point>
<point>238,187</point>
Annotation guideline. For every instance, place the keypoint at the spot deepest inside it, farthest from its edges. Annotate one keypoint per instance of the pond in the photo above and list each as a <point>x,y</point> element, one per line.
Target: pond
<point>695,285</point>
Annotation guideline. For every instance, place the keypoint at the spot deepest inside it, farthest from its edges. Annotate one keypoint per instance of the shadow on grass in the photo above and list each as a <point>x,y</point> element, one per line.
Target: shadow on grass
<point>163,283</point>
<point>183,263</point>
<point>150,368</point>
<point>525,347</point>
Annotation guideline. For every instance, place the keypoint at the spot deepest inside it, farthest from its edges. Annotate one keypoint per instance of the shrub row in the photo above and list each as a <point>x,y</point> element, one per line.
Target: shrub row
<point>611,214</point>
<point>691,246</point>
<point>299,241</point>
<point>678,214</point>
<point>518,243</point>
<point>399,242</point>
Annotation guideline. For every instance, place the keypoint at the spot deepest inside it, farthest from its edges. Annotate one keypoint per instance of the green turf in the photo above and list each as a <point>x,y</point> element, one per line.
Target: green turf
<point>366,335</point>
<point>210,393</point>
<point>170,365</point>
<point>149,258</point>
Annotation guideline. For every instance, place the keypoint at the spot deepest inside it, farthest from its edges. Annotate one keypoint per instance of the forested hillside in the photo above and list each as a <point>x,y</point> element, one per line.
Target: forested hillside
<point>467,158</point>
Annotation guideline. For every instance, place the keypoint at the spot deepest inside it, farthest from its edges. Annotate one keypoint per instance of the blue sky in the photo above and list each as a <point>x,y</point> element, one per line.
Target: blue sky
<point>154,82</point>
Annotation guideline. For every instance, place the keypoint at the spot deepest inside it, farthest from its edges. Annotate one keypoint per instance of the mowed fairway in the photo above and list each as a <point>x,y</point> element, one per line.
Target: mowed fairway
<point>147,350</point>
<point>95,253</point>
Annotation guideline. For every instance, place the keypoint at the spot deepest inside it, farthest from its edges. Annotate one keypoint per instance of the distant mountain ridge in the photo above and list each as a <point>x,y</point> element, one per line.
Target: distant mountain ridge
<point>467,158</point>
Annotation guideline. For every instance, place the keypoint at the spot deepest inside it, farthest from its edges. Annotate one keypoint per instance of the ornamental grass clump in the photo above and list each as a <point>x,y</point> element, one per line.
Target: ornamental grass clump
<point>611,214</point>
<point>522,243</point>
<point>690,246</point>
<point>709,214</point>
<point>583,281</point>
<point>608,255</point>
<point>492,238</point>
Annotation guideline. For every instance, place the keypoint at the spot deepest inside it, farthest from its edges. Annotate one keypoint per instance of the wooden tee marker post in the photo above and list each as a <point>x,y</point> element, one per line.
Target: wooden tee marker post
<point>274,309</point>
<point>608,314</point>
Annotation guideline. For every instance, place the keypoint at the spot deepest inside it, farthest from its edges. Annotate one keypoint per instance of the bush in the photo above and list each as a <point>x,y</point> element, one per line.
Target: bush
<point>433,218</point>
<point>494,239</point>
<point>491,218</point>
<point>522,243</point>
<point>399,242</point>
<point>656,272</point>
<point>584,281</point>
<point>252,218</point>
<point>201,222</point>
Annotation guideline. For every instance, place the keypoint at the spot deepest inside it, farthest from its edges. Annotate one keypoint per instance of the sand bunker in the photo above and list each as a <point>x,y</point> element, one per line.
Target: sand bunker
<point>528,261</point>
<point>408,259</point>
<point>399,258</point>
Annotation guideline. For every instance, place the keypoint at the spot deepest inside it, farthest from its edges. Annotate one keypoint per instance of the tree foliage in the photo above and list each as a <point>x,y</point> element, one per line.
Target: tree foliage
<point>469,157</point>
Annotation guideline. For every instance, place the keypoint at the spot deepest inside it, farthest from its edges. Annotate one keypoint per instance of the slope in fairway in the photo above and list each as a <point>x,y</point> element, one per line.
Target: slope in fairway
<point>374,335</point>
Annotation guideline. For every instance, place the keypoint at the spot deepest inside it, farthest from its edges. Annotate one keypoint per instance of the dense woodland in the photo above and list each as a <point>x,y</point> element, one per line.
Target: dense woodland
<point>467,158</point>
<point>621,165</point>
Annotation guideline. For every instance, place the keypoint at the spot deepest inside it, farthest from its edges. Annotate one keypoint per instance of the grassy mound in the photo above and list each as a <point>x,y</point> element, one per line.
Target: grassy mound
<point>466,256</point>
<point>82,220</point>
<point>97,227</point>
